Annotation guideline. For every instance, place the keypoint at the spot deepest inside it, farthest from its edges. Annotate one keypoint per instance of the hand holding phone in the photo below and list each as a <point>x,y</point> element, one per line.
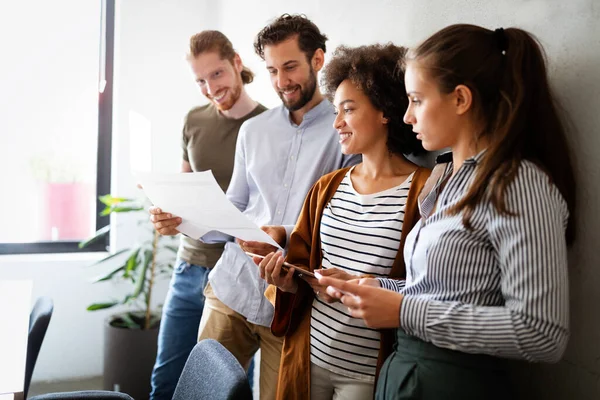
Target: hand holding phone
<point>299,272</point>
<point>318,276</point>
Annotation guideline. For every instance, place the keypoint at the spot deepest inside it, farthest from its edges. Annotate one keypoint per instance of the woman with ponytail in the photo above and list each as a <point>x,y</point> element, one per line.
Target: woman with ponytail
<point>486,266</point>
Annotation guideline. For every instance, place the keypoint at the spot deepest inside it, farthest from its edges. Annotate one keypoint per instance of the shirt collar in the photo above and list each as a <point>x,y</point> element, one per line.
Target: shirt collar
<point>315,112</point>
<point>476,159</point>
<point>447,158</point>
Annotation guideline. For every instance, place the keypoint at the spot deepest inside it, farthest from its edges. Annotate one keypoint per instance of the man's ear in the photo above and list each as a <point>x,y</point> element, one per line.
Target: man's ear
<point>318,60</point>
<point>237,63</point>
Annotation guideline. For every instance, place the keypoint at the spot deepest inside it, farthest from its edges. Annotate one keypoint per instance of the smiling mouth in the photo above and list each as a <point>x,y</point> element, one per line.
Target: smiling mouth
<point>289,92</point>
<point>220,97</point>
<point>345,136</point>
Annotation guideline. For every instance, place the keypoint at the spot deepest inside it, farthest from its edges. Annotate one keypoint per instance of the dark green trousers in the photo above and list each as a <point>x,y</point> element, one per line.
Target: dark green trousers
<point>421,370</point>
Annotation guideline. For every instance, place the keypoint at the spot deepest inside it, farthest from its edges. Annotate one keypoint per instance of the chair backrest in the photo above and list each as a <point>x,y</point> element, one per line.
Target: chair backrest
<point>212,372</point>
<point>38,324</point>
<point>85,394</point>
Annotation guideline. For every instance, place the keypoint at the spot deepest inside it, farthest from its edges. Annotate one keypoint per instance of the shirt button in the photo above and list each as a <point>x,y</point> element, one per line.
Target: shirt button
<point>285,185</point>
<point>299,131</point>
<point>292,157</point>
<point>279,212</point>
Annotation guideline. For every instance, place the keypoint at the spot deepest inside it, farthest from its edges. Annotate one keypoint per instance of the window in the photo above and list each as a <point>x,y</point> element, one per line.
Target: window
<point>55,123</point>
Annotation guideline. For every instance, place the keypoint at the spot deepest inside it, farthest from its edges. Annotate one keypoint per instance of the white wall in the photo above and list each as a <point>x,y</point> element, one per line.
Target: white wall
<point>152,79</point>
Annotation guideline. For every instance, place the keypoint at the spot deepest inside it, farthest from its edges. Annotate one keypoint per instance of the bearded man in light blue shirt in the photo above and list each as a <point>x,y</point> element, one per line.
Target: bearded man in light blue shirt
<point>280,154</point>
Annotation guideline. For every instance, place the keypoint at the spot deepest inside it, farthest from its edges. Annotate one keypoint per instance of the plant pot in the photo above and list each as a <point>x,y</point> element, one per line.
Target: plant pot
<point>129,356</point>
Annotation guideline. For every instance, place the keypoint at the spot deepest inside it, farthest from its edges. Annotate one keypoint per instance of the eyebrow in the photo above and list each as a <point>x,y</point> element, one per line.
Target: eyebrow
<point>209,74</point>
<point>345,102</point>
<point>285,64</point>
<point>412,92</point>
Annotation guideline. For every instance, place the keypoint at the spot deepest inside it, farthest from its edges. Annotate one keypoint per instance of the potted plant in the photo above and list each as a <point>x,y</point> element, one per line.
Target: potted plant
<point>130,336</point>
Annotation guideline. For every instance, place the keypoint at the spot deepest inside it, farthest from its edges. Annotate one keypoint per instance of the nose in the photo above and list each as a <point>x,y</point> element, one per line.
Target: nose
<point>339,122</point>
<point>409,118</point>
<point>212,88</point>
<point>282,80</point>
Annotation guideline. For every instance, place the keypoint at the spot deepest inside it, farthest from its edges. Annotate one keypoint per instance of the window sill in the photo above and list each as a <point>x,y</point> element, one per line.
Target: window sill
<point>53,257</point>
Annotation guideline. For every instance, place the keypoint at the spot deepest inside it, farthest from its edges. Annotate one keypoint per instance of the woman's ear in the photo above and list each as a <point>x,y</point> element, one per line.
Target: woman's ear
<point>463,99</point>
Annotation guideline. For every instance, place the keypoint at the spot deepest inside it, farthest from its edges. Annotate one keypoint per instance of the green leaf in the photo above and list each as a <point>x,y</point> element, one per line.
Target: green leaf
<point>119,324</point>
<point>154,320</point>
<point>101,306</point>
<point>109,200</point>
<point>120,209</point>
<point>141,276</point>
<point>125,322</point>
<point>174,249</point>
<point>128,298</point>
<point>100,233</point>
<point>129,322</point>
<point>109,257</point>
<point>132,262</point>
<point>108,276</point>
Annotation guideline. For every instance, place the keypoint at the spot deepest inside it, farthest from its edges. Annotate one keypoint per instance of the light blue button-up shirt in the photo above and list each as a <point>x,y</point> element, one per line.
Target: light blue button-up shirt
<point>276,163</point>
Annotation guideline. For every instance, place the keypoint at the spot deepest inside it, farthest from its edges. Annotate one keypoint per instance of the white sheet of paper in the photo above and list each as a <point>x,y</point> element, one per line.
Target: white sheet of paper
<point>203,207</point>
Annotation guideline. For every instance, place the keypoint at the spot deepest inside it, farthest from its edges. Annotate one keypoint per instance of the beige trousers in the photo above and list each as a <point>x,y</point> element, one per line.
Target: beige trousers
<point>327,385</point>
<point>242,339</point>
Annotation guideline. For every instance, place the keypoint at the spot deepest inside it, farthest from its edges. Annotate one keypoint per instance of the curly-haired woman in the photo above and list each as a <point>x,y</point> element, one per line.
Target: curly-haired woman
<point>353,224</point>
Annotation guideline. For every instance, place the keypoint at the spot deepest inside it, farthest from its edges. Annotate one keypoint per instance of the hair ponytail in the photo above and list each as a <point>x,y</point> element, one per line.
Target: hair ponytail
<point>506,72</point>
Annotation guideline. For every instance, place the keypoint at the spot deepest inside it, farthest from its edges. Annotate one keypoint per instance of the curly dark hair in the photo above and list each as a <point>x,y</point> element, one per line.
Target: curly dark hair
<point>310,37</point>
<point>376,71</point>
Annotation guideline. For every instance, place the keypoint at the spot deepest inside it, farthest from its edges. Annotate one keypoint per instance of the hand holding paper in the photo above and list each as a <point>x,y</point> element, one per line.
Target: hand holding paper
<point>201,204</point>
<point>165,223</point>
<point>276,232</point>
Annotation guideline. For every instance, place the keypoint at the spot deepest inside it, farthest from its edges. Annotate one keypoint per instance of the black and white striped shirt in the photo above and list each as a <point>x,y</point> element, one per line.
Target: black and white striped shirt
<point>499,289</point>
<point>360,234</point>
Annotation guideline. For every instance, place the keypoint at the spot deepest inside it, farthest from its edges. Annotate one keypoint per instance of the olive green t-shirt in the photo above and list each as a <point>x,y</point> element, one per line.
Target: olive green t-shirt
<point>208,143</point>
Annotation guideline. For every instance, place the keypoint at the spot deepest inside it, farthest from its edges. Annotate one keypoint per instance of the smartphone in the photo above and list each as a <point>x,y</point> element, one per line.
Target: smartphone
<point>297,271</point>
<point>319,276</point>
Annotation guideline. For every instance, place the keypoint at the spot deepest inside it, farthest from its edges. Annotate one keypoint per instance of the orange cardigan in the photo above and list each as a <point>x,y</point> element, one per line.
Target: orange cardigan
<point>292,311</point>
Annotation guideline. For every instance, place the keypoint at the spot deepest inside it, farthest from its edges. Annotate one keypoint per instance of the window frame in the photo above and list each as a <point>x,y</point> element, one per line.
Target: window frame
<point>103,172</point>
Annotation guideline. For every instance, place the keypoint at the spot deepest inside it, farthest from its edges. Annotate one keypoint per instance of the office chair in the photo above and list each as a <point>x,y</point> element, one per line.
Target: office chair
<point>84,394</point>
<point>38,324</point>
<point>212,372</point>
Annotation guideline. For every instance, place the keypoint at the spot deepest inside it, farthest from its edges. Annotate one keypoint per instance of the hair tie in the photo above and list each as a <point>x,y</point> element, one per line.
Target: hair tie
<point>501,40</point>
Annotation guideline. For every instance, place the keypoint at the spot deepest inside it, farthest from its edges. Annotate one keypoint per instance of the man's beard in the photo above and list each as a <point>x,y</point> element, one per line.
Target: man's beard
<point>234,94</point>
<point>306,94</point>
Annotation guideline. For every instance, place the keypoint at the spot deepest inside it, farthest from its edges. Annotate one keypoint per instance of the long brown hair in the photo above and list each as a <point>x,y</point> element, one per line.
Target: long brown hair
<point>506,73</point>
<point>219,43</point>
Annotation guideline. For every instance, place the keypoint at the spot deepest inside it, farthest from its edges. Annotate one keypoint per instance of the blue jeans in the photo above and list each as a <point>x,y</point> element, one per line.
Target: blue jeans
<point>178,332</point>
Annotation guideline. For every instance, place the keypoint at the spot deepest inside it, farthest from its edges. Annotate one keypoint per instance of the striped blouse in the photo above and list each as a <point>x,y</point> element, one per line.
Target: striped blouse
<point>499,289</point>
<point>360,234</point>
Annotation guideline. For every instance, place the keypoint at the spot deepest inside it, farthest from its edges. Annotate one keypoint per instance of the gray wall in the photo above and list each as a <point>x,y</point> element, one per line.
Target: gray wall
<point>570,33</point>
